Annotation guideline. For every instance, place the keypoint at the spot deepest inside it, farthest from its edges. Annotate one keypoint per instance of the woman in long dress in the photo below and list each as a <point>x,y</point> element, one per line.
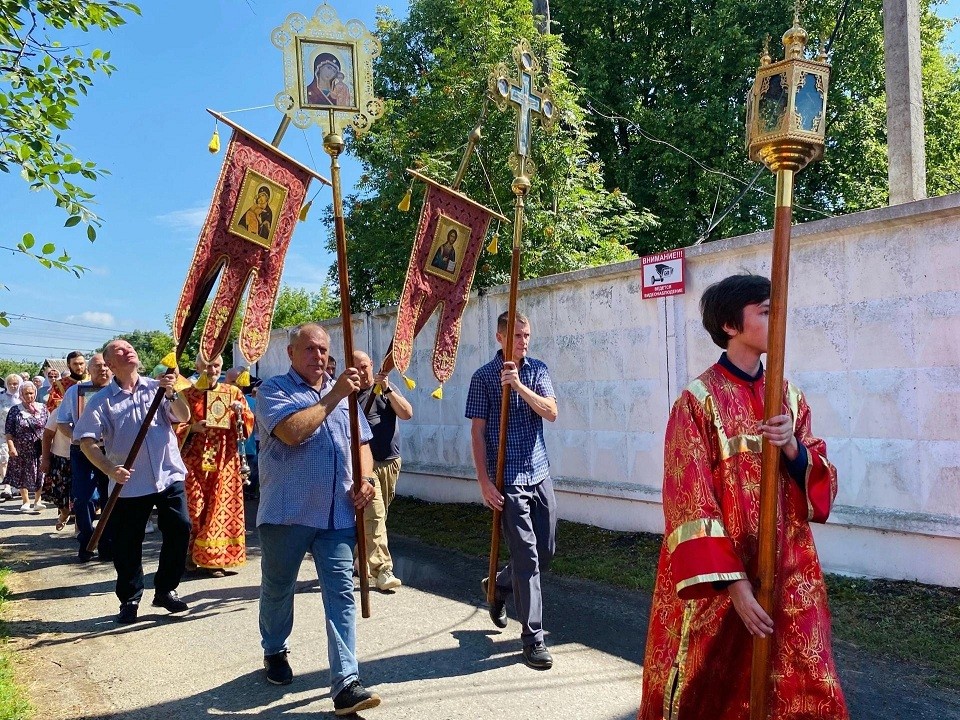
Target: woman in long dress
<point>23,431</point>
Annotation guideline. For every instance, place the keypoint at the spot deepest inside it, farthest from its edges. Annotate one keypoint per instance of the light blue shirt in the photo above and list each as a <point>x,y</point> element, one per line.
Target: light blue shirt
<point>306,484</point>
<point>67,411</point>
<point>115,415</point>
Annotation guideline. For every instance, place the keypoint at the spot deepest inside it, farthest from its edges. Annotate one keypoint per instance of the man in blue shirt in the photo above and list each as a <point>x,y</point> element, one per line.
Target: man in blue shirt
<point>528,506</point>
<point>86,480</point>
<point>307,503</point>
<point>114,416</point>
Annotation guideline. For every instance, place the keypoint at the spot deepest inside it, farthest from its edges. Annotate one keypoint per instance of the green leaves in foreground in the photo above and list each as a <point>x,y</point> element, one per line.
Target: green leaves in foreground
<point>47,257</point>
<point>41,82</point>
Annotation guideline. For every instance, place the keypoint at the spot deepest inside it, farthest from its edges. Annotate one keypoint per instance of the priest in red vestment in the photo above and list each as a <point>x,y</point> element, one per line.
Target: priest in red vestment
<point>705,614</point>
<point>214,483</point>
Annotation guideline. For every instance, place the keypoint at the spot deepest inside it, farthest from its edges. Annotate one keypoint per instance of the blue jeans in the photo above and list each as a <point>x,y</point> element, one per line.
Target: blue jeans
<point>283,548</point>
<point>86,484</point>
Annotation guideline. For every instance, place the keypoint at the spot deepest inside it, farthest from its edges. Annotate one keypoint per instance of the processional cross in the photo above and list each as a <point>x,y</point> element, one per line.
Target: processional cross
<point>530,103</point>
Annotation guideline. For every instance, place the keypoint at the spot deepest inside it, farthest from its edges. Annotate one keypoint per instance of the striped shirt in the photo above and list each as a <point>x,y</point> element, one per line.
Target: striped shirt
<point>526,459</point>
<point>306,484</point>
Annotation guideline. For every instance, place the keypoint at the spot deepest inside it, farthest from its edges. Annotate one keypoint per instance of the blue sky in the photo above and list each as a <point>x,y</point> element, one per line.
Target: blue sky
<point>148,126</point>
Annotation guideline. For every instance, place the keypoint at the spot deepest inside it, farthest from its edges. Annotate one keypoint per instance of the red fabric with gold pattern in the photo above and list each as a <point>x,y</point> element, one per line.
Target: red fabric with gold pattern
<point>214,497</point>
<point>438,276</point>
<point>57,390</point>
<point>243,259</point>
<point>698,655</point>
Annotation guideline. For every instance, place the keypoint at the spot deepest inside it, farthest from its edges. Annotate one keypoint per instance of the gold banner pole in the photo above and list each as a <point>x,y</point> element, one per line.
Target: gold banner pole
<point>333,145</point>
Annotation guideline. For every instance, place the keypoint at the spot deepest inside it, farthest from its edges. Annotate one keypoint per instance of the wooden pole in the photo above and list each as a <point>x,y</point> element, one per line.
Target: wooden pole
<point>521,185</point>
<point>770,462</point>
<point>193,316</point>
<point>333,144</point>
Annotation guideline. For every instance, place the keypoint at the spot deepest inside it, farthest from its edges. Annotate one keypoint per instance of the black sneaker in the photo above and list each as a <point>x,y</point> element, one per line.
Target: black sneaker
<point>170,600</point>
<point>537,656</point>
<point>84,557</point>
<point>354,698</point>
<point>278,669</point>
<point>128,612</point>
<point>498,609</point>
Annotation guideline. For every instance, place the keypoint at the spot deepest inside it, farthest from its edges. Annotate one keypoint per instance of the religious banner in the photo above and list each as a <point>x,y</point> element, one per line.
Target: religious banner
<point>442,264</point>
<point>244,240</point>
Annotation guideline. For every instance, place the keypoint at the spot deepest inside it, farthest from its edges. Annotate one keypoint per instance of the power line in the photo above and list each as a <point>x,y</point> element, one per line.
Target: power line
<point>61,322</point>
<point>44,347</point>
<point>654,139</point>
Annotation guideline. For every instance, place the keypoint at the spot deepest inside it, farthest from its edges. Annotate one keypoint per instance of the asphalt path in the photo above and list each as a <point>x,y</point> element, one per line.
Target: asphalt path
<point>429,649</point>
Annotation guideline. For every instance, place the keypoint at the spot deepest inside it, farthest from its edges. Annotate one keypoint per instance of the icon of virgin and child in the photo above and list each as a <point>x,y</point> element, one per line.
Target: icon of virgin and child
<point>329,86</point>
<point>258,218</point>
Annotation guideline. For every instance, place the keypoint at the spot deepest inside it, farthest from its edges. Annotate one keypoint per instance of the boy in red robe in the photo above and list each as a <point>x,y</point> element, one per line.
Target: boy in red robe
<point>704,613</point>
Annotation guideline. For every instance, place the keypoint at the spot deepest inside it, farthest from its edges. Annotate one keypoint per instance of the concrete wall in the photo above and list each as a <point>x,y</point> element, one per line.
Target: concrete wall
<point>873,340</point>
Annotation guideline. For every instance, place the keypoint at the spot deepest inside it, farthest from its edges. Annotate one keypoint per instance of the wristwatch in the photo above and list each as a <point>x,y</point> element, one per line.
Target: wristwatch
<point>387,391</point>
<point>173,398</point>
<point>370,479</point>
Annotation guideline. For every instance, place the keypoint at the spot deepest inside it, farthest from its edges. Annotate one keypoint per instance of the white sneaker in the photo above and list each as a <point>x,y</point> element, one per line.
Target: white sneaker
<point>150,527</point>
<point>25,507</point>
<point>40,505</point>
<point>386,580</point>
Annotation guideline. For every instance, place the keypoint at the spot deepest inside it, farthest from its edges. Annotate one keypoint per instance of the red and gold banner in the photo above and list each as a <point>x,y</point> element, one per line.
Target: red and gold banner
<point>442,264</point>
<point>244,240</point>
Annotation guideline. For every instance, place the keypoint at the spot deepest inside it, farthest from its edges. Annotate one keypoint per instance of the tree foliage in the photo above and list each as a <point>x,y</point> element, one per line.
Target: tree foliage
<point>681,71</point>
<point>296,306</point>
<point>9,366</point>
<point>42,80</point>
<point>433,74</point>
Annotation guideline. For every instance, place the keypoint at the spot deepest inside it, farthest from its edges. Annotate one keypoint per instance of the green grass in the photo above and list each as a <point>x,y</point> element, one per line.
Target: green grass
<point>13,702</point>
<point>901,621</point>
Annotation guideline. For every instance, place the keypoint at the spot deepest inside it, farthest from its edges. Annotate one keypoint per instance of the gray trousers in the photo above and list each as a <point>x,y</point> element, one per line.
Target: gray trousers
<point>529,524</point>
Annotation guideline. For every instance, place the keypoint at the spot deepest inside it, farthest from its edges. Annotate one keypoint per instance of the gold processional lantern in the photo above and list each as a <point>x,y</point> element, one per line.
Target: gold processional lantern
<point>786,109</point>
<point>786,130</point>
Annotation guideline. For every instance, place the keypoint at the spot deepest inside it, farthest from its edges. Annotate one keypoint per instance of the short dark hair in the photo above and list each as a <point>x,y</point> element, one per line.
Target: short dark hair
<point>519,317</point>
<point>74,354</point>
<point>723,302</point>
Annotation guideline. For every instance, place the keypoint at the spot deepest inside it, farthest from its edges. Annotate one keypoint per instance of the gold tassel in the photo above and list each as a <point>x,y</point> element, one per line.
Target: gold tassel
<point>377,390</point>
<point>492,247</point>
<point>438,393</point>
<point>404,204</point>
<point>410,382</point>
<point>243,379</point>
<point>214,146</point>
<point>202,382</point>
<point>170,359</point>
<point>304,210</point>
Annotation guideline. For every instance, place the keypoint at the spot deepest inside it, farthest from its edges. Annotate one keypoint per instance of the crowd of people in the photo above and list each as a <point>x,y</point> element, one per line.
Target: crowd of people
<point>195,468</point>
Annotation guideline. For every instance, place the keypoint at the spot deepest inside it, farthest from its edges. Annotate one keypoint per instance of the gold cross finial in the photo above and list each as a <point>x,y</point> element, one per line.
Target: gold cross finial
<point>531,104</point>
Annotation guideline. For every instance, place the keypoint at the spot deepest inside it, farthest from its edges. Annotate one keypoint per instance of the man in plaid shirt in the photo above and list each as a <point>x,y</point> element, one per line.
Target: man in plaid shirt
<point>528,505</point>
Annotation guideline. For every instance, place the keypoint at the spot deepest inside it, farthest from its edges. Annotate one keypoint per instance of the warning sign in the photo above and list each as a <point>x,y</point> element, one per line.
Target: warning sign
<point>662,274</point>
